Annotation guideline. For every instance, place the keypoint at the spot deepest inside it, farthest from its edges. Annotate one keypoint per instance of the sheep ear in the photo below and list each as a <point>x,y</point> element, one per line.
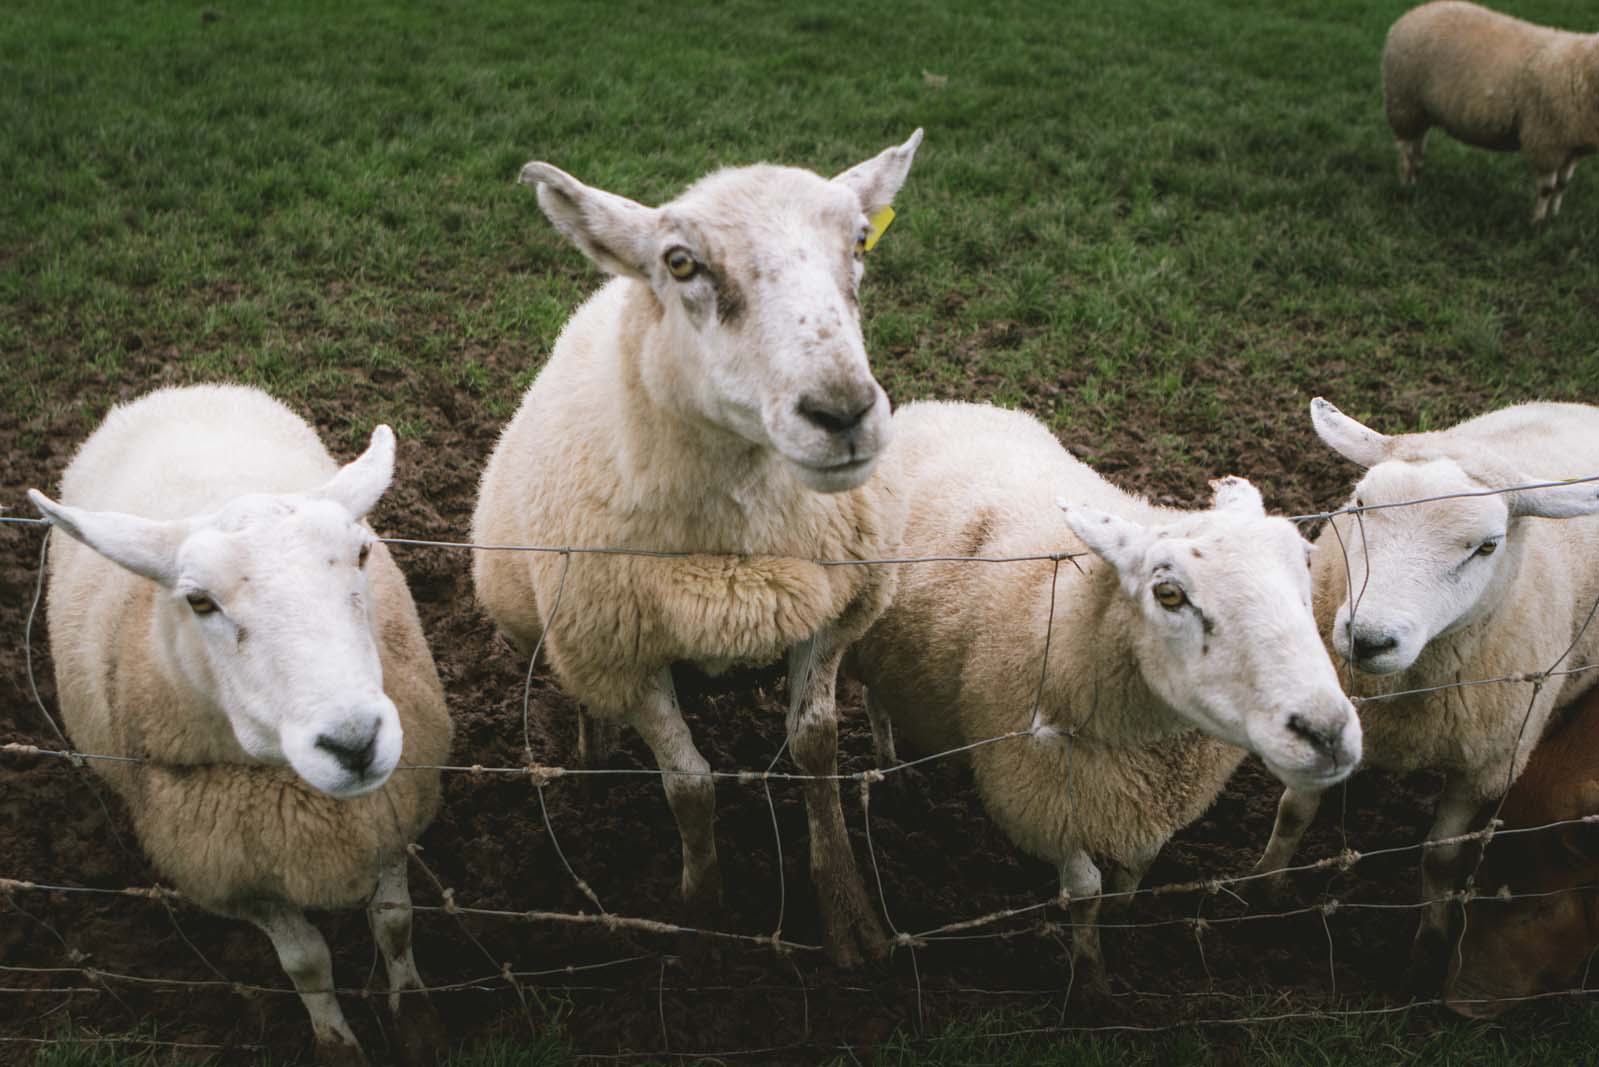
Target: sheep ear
<point>1115,540</point>
<point>611,230</point>
<point>146,547</point>
<point>1352,440</point>
<point>877,180</point>
<point>1236,494</point>
<point>362,482</point>
<point>1555,502</point>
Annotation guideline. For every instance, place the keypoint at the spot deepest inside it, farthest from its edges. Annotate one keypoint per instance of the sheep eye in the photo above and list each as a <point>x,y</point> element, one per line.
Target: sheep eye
<point>1169,595</point>
<point>682,265</point>
<point>1487,548</point>
<point>201,604</point>
<point>860,244</point>
<point>363,555</point>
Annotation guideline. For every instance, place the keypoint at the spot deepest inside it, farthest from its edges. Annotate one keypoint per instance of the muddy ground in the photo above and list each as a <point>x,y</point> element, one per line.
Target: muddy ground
<point>940,859</point>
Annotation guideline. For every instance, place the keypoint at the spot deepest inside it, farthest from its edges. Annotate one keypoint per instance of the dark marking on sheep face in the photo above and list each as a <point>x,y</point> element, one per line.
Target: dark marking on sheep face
<point>1197,553</point>
<point>729,299</point>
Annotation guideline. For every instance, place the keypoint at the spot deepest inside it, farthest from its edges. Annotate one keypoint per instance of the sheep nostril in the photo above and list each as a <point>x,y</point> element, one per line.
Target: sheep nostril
<point>834,418</point>
<point>354,749</point>
<point>1323,740</point>
<point>1368,646</point>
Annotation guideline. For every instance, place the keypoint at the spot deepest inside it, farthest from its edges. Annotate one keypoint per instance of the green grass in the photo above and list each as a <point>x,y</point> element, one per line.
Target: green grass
<point>1171,220</point>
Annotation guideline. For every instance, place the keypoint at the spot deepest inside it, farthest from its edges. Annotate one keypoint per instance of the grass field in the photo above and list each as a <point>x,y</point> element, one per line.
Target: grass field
<point>1160,226</point>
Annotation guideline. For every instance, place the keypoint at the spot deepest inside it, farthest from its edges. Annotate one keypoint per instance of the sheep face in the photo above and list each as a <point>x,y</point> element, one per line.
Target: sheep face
<point>264,613</point>
<point>754,273</point>
<point>1423,570</point>
<point>1222,629</point>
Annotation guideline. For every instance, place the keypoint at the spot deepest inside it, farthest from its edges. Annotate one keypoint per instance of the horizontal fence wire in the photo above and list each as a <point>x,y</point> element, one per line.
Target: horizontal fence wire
<point>998,925</point>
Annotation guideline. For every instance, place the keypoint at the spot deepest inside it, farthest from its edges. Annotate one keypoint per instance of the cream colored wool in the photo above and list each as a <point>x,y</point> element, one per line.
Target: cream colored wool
<point>1494,82</point>
<point>1112,768</point>
<point>223,832</point>
<point>634,479</point>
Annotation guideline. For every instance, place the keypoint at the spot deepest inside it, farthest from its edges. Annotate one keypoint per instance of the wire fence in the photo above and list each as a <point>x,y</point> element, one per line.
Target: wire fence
<point>1046,918</point>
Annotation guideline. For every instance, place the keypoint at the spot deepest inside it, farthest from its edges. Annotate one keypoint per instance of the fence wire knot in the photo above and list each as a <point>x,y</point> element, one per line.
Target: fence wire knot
<point>541,776</point>
<point>450,907</point>
<point>1327,907</point>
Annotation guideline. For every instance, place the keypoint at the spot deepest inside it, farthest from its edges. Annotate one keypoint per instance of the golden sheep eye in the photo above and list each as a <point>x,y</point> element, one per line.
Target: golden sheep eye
<point>1169,595</point>
<point>860,244</point>
<point>1487,548</point>
<point>363,555</point>
<point>201,604</point>
<point>682,265</point>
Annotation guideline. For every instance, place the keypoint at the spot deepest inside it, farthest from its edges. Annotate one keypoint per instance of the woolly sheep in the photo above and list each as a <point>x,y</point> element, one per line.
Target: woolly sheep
<point>228,618</point>
<point>1495,82</point>
<point>714,398</point>
<point>1183,635</point>
<point>1456,590</point>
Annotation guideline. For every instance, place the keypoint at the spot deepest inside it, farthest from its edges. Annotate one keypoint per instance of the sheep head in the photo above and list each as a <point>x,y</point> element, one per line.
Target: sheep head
<point>1427,569</point>
<point>754,272</point>
<point>1221,625</point>
<point>263,609</point>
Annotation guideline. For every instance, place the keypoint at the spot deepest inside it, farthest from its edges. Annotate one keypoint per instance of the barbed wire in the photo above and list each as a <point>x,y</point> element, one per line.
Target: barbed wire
<point>988,926</point>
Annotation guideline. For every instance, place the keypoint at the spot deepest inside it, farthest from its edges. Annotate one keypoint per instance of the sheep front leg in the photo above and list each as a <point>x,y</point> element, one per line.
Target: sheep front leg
<point>690,791</point>
<point>1560,185</point>
<point>1081,884</point>
<point>850,929</point>
<point>421,1035</point>
<point>1410,153</point>
<point>305,959</point>
<point>1296,810</point>
<point>1548,195</point>
<point>882,732</point>
<point>1123,879</point>
<point>1445,870</point>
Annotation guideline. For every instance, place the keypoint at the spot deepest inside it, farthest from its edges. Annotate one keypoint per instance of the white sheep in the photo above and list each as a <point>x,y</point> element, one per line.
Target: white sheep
<point>1184,634</point>
<point>713,398</point>
<point>1457,590</point>
<point>1495,82</point>
<point>228,619</point>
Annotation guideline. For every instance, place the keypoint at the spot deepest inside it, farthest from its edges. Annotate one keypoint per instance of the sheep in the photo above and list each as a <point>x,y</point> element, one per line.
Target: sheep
<point>1494,82</point>
<point>1455,590</point>
<point>222,614</point>
<point>1181,639</point>
<point>713,398</point>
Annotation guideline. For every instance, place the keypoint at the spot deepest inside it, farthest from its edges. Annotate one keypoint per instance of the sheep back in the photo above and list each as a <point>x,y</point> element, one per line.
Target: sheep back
<point>1491,81</point>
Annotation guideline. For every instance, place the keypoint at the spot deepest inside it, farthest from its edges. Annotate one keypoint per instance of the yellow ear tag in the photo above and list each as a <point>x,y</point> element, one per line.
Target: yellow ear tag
<point>879,222</point>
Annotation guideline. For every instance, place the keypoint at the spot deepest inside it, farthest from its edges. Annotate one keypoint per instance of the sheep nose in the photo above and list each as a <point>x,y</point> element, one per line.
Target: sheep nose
<point>1324,739</point>
<point>836,416</point>
<point>1369,646</point>
<point>354,746</point>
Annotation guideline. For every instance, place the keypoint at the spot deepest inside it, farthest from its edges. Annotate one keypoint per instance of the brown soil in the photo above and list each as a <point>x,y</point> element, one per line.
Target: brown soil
<point>939,857</point>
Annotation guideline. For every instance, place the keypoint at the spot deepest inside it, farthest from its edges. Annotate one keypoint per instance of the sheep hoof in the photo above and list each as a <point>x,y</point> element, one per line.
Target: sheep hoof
<point>421,1039</point>
<point>334,1051</point>
<point>1267,894</point>
<point>702,898</point>
<point>851,933</point>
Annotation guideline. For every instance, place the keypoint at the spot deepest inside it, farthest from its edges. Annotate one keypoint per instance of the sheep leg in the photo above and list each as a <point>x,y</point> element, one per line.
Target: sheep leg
<point>305,959</point>
<point>1122,879</point>
<point>421,1035</point>
<point>1548,191</point>
<point>882,732</point>
<point>1080,885</point>
<point>850,929</point>
<point>1445,870</point>
<point>690,791</point>
<point>1410,152</point>
<point>596,739</point>
<point>1295,812</point>
<point>1560,185</point>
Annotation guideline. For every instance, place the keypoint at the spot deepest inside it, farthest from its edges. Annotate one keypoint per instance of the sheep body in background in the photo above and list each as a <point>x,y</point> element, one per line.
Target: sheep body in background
<point>1494,82</point>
